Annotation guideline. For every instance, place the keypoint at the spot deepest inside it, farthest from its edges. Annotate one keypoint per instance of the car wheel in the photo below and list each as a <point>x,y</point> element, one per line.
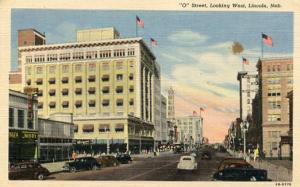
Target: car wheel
<point>73,169</point>
<point>252,178</point>
<point>95,167</point>
<point>40,176</point>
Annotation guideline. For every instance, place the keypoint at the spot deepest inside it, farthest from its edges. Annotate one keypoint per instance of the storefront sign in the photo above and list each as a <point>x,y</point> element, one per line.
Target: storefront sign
<point>22,134</point>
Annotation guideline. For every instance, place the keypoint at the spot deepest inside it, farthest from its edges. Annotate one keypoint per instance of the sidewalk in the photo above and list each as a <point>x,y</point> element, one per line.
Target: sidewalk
<point>275,168</point>
<point>278,170</point>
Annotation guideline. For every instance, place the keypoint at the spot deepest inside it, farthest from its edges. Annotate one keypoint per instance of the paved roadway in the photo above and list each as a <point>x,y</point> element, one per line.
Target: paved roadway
<point>161,168</point>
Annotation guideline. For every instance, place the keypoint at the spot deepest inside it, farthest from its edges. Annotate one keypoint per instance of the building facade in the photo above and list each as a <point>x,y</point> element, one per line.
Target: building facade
<point>109,85</point>
<point>55,139</point>
<point>164,125</point>
<point>172,128</point>
<point>248,88</point>
<point>275,81</point>
<point>190,129</point>
<point>23,134</point>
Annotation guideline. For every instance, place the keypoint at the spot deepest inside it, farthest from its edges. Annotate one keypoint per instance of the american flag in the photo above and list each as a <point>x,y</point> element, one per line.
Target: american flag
<point>245,61</point>
<point>153,42</point>
<point>139,22</point>
<point>267,39</point>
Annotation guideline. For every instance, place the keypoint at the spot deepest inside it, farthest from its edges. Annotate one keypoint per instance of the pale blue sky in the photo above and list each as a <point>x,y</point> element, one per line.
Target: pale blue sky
<point>193,49</point>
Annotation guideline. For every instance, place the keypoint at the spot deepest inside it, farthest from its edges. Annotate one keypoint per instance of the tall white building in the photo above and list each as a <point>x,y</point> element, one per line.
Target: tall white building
<point>190,129</point>
<point>164,125</point>
<point>171,104</point>
<point>248,88</point>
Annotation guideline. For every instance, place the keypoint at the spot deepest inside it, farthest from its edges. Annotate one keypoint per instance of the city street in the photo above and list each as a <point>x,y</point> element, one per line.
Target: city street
<point>155,169</point>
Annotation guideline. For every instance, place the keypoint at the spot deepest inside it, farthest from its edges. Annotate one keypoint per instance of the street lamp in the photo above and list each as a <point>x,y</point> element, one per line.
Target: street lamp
<point>140,146</point>
<point>107,141</point>
<point>244,127</point>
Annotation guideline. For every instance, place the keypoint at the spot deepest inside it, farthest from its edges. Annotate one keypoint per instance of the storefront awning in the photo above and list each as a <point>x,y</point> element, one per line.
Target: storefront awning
<point>119,126</point>
<point>88,127</point>
<point>104,126</point>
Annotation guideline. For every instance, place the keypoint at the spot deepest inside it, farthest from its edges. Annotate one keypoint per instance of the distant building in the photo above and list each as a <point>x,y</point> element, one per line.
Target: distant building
<point>164,125</point>
<point>26,37</point>
<point>190,129</point>
<point>172,128</point>
<point>23,128</point>
<point>111,85</point>
<point>248,89</point>
<point>275,81</point>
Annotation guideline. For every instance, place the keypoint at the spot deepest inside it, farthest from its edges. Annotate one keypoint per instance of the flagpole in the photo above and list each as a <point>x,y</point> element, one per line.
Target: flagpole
<point>262,46</point>
<point>136,29</point>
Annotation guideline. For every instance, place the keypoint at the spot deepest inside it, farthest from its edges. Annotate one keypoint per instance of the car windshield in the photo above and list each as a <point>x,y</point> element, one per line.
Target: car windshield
<point>186,158</point>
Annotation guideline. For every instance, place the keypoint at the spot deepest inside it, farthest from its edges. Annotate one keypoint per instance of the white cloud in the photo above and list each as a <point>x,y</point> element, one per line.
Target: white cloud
<point>187,37</point>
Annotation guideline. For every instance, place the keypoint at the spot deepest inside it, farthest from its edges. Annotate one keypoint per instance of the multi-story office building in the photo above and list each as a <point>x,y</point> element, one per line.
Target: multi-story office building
<point>190,129</point>
<point>164,125</point>
<point>23,134</point>
<point>108,83</point>
<point>172,128</point>
<point>275,81</point>
<point>248,89</point>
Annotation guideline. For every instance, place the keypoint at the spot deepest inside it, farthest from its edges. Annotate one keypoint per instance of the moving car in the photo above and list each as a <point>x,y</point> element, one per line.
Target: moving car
<point>107,161</point>
<point>241,174</point>
<point>27,170</point>
<point>124,158</point>
<point>187,163</point>
<point>83,163</point>
<point>233,162</point>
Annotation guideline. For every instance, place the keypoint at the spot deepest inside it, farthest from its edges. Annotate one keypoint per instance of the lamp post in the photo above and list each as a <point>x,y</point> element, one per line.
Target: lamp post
<point>107,141</point>
<point>244,126</point>
<point>140,146</point>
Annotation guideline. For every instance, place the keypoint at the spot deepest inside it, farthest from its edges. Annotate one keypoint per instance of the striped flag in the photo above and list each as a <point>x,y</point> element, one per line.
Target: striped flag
<point>267,39</point>
<point>139,22</point>
<point>153,42</point>
<point>245,61</point>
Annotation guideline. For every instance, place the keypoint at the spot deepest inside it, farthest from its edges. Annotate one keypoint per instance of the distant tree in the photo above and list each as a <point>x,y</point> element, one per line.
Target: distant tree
<point>237,48</point>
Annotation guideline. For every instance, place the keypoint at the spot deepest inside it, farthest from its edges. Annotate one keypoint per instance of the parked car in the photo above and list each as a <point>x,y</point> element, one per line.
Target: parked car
<point>27,170</point>
<point>83,163</point>
<point>241,174</point>
<point>124,158</point>
<point>234,162</point>
<point>107,161</point>
<point>187,163</point>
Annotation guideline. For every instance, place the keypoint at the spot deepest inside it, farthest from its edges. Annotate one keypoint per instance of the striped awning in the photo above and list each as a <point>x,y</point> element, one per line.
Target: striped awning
<point>51,91</point>
<point>92,89</point>
<point>65,103</point>
<point>104,126</point>
<point>92,102</point>
<point>51,80</point>
<point>88,127</point>
<point>65,79</point>
<point>52,103</point>
<point>119,126</point>
<point>65,90</point>
<point>78,102</point>
<point>78,78</point>
<point>39,80</point>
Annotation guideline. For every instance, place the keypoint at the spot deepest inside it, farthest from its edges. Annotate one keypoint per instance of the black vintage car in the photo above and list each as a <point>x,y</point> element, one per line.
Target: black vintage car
<point>83,163</point>
<point>241,174</point>
<point>124,158</point>
<point>27,170</point>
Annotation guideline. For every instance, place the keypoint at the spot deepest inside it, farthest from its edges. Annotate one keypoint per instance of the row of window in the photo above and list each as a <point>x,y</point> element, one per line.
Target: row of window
<point>274,104</point>
<point>274,93</point>
<point>103,128</point>
<point>77,68</point>
<point>274,117</point>
<point>55,140</point>
<point>17,116</point>
<point>81,55</point>
<point>287,67</point>
<point>91,91</point>
<point>91,103</point>
<point>78,79</point>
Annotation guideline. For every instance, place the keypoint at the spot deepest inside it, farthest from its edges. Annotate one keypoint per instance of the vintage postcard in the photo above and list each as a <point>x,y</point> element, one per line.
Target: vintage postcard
<point>137,93</point>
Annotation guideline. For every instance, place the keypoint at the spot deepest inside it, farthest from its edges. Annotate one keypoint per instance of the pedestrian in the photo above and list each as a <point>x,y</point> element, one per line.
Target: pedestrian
<point>74,155</point>
<point>256,154</point>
